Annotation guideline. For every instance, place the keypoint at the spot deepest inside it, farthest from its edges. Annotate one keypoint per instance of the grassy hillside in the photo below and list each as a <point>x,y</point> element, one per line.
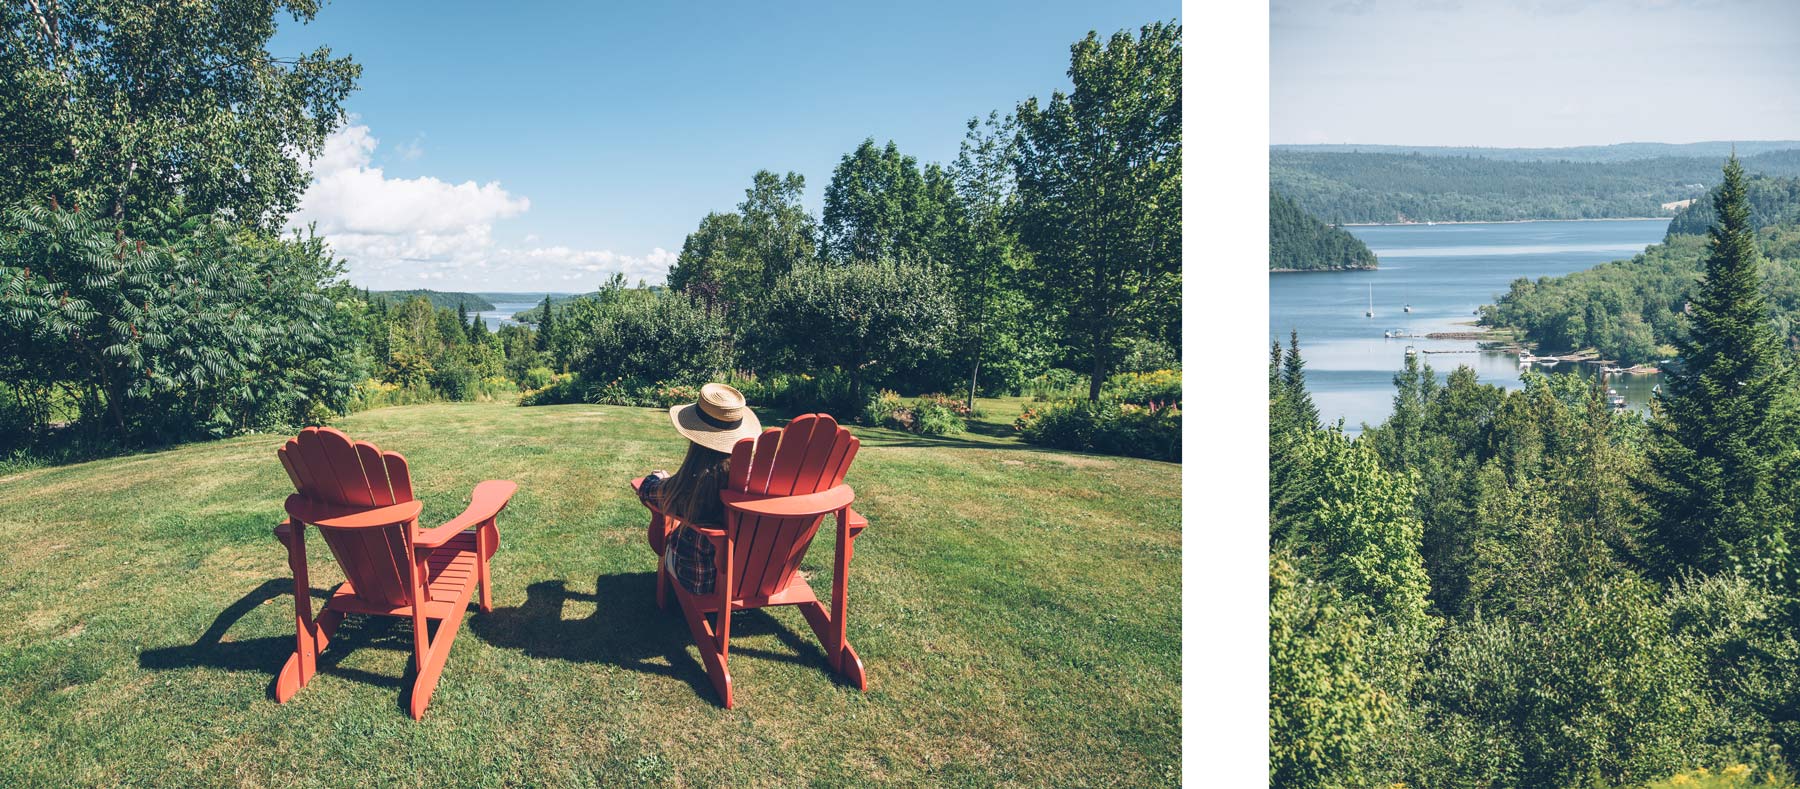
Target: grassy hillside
<point>1018,612</point>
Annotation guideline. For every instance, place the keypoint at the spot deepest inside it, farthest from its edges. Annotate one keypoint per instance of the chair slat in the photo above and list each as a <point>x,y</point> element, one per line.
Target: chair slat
<point>375,469</point>
<point>318,466</point>
<point>816,456</point>
<point>796,438</point>
<point>398,476</point>
<point>342,455</point>
<point>763,460</point>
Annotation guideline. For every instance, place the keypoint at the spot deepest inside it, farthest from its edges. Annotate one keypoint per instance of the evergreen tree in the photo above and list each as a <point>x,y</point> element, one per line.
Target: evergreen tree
<point>1722,454</point>
<point>1301,410</point>
<point>546,325</point>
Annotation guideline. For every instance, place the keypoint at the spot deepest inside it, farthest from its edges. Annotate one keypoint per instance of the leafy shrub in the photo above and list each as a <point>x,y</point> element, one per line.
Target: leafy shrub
<point>535,378</point>
<point>937,415</point>
<point>1108,427</point>
<point>457,382</point>
<point>1055,384</point>
<point>647,336</point>
<point>1161,387</point>
<point>889,410</point>
<point>563,388</point>
<point>1737,776</point>
<point>868,319</point>
<point>1143,355</point>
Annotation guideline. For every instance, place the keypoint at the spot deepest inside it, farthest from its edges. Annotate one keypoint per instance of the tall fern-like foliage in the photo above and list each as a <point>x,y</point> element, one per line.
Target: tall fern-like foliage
<point>201,328</point>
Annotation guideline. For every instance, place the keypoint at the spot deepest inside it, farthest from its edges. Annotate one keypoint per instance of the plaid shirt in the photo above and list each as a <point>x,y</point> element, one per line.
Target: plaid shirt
<point>688,554</point>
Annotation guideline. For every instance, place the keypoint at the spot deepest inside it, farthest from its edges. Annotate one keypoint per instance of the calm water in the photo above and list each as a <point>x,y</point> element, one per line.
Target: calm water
<point>503,311</point>
<point>1444,272</point>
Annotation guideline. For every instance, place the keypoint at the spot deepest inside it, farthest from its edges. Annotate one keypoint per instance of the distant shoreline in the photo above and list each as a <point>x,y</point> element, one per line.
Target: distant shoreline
<point>1311,270</point>
<point>1512,221</point>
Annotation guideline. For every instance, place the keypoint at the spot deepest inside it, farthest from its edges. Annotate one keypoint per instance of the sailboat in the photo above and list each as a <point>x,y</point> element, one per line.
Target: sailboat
<point>1371,312</point>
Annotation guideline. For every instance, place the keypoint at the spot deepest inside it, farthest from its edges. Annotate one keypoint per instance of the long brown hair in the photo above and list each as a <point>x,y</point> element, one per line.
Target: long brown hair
<point>692,493</point>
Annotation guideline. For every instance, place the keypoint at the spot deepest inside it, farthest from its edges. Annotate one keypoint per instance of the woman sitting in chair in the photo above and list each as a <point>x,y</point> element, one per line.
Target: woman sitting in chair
<point>712,425</point>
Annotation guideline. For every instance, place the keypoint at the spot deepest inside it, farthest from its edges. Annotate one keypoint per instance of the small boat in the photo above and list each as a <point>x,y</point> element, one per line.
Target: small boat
<point>1371,312</point>
<point>1525,360</point>
<point>1407,308</point>
<point>1395,334</point>
<point>1411,351</point>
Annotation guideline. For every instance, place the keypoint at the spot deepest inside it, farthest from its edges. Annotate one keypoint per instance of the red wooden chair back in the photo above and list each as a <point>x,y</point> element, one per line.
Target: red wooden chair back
<point>811,454</point>
<point>342,477</point>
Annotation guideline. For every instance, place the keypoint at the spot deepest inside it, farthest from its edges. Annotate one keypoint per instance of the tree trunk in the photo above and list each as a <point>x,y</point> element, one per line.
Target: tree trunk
<point>973,373</point>
<point>1098,374</point>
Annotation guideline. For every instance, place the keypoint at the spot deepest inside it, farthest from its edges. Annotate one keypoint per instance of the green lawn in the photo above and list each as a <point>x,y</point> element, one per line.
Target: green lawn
<point>1018,612</point>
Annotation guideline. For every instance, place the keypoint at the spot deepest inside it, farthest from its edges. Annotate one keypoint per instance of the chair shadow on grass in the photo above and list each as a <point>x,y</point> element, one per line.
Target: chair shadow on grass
<point>627,630</point>
<point>267,654</point>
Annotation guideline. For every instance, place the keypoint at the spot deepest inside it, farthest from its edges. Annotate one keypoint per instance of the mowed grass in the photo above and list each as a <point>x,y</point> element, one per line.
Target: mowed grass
<point>1017,611</point>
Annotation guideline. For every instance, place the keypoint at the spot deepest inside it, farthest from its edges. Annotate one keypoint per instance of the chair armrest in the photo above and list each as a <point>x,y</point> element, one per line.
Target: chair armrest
<point>306,510</point>
<point>857,523</point>
<point>807,505</point>
<point>487,501</point>
<point>636,486</point>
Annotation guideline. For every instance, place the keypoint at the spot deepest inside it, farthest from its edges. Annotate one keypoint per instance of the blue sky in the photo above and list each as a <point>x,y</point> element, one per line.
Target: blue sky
<point>543,147</point>
<point>1531,73</point>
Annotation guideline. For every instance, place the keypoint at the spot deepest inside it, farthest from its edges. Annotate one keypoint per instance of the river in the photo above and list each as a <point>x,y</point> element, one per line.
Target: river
<point>1444,272</point>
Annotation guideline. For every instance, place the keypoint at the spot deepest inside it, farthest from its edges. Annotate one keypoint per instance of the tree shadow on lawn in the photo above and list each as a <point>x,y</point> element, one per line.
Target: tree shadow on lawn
<point>267,654</point>
<point>627,630</point>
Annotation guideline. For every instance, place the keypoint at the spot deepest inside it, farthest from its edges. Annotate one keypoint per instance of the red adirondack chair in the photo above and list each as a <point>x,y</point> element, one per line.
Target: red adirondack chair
<point>361,501</point>
<point>782,485</point>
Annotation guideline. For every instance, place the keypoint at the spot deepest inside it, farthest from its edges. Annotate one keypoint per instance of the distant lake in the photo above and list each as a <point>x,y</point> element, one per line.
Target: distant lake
<point>1444,272</point>
<point>503,311</point>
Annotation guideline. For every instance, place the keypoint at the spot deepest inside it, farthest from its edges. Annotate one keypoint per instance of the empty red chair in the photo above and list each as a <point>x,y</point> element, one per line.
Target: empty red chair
<point>783,484</point>
<point>361,501</point>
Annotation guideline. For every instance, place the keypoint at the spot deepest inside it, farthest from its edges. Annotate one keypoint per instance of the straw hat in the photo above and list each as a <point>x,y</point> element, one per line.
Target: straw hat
<point>717,420</point>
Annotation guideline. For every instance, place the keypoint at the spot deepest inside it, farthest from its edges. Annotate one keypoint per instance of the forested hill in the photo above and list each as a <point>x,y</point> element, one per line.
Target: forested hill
<point>1629,310</point>
<point>1773,201</point>
<point>438,298</point>
<point>1392,187</point>
<point>1619,152</point>
<point>1300,242</point>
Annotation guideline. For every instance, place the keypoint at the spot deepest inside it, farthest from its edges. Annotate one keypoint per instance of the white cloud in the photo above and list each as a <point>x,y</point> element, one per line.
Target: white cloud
<point>397,232</point>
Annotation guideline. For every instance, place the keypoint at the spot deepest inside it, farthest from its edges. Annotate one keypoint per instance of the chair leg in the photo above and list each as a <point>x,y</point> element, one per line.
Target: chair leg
<point>662,584</point>
<point>715,660</point>
<point>483,550</point>
<point>432,662</point>
<point>839,655</point>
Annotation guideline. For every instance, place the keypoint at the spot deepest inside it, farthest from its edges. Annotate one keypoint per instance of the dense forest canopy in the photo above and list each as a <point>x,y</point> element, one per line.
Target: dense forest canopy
<point>1773,201</point>
<point>1528,588</point>
<point>1386,187</point>
<point>1300,242</point>
<point>1617,152</point>
<point>1630,310</point>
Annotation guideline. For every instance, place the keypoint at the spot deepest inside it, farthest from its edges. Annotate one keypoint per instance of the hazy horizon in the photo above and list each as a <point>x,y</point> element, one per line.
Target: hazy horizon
<point>1532,73</point>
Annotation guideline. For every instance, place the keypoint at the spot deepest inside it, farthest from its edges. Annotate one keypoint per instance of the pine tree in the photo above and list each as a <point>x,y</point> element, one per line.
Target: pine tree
<point>545,324</point>
<point>1722,455</point>
<point>1293,374</point>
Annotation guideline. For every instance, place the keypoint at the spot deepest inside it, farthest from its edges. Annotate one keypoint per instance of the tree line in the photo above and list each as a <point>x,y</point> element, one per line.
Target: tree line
<point>1052,240</point>
<point>1392,187</point>
<point>148,294</point>
<point>1527,588</point>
